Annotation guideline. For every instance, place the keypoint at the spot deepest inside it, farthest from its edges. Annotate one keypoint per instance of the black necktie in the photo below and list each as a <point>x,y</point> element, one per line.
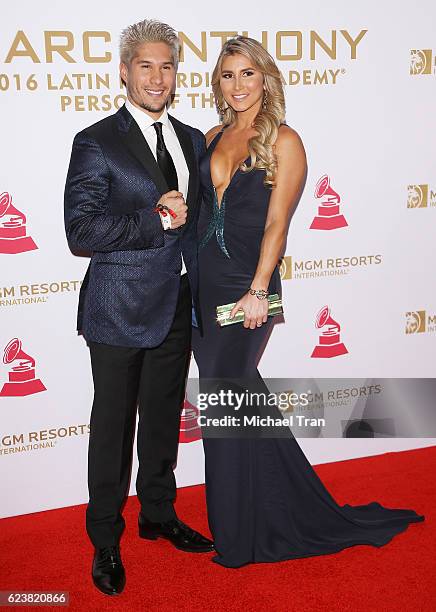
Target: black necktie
<point>164,159</point>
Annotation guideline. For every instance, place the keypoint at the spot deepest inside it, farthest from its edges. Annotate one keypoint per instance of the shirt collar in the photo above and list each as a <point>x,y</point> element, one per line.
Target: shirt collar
<point>143,119</point>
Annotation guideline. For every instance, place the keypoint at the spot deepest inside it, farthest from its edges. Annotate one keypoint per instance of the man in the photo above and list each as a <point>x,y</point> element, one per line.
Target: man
<point>131,198</point>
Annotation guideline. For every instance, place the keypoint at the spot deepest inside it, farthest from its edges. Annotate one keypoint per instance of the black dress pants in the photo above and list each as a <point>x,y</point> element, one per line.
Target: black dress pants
<point>152,381</point>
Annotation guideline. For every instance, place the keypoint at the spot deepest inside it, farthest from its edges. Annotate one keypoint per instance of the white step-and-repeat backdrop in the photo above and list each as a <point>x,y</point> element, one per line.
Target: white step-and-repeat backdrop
<point>360,90</point>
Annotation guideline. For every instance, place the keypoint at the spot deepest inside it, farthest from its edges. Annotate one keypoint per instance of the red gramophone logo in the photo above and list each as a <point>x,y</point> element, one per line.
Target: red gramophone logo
<point>22,379</point>
<point>13,238</point>
<point>329,342</point>
<point>328,216</point>
<point>190,430</point>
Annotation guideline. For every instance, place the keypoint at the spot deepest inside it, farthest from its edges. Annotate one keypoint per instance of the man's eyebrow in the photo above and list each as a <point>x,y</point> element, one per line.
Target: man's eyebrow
<point>148,61</point>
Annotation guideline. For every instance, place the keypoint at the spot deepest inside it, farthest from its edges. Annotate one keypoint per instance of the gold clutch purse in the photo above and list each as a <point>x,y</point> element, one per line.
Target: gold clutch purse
<point>223,312</point>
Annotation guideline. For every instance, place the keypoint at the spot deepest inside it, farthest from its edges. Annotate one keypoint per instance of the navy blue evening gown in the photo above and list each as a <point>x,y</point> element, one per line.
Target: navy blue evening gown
<point>265,502</point>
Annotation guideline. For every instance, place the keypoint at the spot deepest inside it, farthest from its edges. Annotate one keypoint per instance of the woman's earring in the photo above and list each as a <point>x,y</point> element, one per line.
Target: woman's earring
<point>265,100</point>
<point>222,109</point>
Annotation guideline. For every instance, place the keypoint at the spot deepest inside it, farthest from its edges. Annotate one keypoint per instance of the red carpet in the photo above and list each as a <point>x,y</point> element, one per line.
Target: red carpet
<point>50,551</point>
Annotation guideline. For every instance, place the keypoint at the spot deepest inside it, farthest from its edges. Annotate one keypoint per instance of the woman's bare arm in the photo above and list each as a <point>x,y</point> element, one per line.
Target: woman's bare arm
<point>291,172</point>
<point>290,177</point>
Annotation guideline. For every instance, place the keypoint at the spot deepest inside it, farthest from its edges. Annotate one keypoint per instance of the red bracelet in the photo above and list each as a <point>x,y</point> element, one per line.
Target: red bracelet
<point>161,208</point>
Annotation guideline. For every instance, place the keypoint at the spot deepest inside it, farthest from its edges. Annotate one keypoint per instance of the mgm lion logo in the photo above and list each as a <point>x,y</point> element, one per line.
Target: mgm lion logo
<point>417,196</point>
<point>415,322</point>
<point>286,267</point>
<point>420,61</point>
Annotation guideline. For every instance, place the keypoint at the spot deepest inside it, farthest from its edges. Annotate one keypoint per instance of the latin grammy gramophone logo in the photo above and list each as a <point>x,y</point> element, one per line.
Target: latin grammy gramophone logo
<point>417,196</point>
<point>329,216</point>
<point>22,377</point>
<point>421,61</point>
<point>415,322</point>
<point>13,231</point>
<point>329,342</point>
<point>190,430</point>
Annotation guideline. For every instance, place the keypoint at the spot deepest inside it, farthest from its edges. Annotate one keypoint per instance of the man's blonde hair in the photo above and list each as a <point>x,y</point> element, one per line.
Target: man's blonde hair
<point>148,30</point>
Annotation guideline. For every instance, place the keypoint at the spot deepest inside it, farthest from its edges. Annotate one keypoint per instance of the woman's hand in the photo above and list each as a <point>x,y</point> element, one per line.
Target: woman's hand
<point>256,311</point>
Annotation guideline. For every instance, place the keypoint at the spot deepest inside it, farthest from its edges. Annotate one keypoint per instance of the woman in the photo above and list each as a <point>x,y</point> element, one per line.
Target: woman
<point>265,502</point>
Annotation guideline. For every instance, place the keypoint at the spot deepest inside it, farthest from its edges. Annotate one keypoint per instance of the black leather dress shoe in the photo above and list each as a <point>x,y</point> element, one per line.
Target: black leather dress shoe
<point>108,570</point>
<point>179,534</point>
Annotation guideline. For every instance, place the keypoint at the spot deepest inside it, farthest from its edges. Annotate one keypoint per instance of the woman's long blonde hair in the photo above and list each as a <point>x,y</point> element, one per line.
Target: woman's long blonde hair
<point>272,111</point>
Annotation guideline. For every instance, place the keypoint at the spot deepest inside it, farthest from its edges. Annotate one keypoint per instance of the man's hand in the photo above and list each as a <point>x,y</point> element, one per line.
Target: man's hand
<point>176,202</point>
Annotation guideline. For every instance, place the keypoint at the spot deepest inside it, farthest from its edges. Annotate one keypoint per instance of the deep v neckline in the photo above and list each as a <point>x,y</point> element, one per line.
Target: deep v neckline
<point>212,146</point>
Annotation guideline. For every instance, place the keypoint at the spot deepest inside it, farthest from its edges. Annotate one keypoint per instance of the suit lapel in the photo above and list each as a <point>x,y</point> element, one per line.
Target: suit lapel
<point>188,151</point>
<point>134,140</point>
